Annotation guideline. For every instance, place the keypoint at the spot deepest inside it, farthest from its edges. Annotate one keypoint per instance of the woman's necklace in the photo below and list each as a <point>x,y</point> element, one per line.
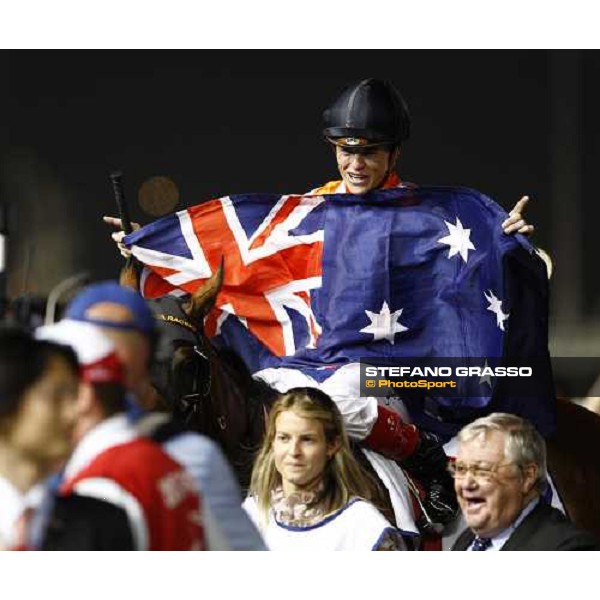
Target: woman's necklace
<point>299,509</point>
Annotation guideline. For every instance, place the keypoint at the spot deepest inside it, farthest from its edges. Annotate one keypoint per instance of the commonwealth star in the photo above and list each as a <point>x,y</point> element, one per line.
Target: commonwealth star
<point>384,324</point>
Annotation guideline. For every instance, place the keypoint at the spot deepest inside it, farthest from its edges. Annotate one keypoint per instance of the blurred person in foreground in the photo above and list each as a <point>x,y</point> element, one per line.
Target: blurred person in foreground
<point>118,490</point>
<point>125,318</point>
<point>307,491</point>
<point>38,391</point>
<point>500,476</point>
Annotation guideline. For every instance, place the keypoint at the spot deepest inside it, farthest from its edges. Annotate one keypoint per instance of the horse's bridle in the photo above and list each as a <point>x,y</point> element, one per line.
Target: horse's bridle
<point>195,397</point>
<point>202,386</point>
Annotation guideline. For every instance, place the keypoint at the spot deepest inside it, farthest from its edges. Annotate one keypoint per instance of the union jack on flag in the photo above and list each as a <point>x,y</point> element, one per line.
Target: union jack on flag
<point>272,250</point>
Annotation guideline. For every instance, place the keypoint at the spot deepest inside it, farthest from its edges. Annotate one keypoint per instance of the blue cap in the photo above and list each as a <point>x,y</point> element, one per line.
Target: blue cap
<point>110,291</point>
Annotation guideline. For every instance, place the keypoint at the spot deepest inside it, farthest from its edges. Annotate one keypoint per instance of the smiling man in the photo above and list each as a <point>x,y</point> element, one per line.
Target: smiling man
<point>499,477</point>
<point>367,126</point>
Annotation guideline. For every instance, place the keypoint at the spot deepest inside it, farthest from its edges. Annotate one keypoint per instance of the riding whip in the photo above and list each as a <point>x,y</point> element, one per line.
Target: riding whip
<point>116,179</point>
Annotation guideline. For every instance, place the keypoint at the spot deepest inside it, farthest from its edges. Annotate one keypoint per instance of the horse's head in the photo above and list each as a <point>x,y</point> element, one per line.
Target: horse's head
<point>211,390</point>
<point>181,369</point>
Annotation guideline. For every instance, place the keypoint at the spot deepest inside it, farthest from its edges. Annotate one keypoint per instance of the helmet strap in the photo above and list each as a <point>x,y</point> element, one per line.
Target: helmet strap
<point>392,160</point>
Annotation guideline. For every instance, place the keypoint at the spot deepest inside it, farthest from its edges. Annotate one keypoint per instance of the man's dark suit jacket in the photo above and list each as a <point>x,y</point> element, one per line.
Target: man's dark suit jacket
<point>544,528</point>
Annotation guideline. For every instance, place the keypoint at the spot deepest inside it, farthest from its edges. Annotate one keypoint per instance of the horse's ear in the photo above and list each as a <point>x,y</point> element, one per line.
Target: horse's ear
<point>203,299</point>
<point>129,276</point>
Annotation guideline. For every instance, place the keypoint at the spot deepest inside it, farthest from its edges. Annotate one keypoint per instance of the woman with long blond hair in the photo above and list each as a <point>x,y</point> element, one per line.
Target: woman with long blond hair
<point>307,491</point>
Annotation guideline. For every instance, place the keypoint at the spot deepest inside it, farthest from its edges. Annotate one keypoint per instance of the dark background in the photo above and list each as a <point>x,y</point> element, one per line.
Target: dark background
<point>220,122</point>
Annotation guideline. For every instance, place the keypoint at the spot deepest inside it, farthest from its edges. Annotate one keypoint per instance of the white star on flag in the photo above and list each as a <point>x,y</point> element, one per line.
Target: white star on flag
<point>486,378</point>
<point>458,240</point>
<point>496,307</point>
<point>384,324</point>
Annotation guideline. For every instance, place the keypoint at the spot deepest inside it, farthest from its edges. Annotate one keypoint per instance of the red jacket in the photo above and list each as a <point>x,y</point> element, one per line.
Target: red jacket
<point>160,498</point>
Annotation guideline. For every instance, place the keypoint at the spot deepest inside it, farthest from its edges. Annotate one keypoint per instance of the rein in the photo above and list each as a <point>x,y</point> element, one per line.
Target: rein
<point>203,352</point>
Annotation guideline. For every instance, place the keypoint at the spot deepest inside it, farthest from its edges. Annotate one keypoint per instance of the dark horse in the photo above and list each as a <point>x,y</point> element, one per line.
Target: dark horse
<point>208,390</point>
<point>212,391</point>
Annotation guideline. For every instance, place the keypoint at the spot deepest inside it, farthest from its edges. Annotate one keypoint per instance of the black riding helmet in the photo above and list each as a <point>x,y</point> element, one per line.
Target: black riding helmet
<point>369,113</point>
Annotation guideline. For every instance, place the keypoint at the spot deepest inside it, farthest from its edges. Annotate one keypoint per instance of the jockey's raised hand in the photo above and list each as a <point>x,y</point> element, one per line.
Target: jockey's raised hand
<point>119,235</point>
<point>516,222</point>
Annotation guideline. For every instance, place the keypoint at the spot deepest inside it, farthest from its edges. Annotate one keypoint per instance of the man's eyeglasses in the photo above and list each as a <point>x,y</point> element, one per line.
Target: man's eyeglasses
<point>481,472</point>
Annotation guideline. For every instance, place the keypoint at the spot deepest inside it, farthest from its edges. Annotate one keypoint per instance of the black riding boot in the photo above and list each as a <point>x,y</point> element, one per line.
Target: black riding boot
<point>428,464</point>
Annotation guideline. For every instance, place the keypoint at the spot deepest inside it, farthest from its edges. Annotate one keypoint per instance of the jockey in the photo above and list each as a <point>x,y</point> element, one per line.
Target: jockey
<point>119,491</point>
<point>367,126</point>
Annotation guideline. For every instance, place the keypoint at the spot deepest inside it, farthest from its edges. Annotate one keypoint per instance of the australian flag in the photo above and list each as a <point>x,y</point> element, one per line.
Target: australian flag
<point>317,282</point>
